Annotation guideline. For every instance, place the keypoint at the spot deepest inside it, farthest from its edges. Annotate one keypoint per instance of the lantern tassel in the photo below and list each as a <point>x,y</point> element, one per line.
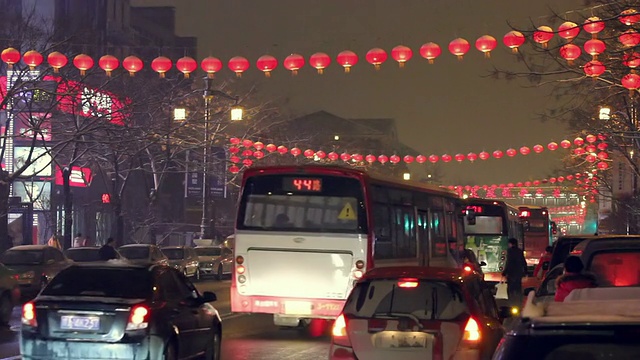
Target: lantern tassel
<point>132,73</point>
<point>238,74</point>
<point>108,72</point>
<point>347,69</point>
<point>267,74</point>
<point>161,75</point>
<point>376,66</point>
<point>431,61</point>
<point>320,71</point>
<point>487,55</point>
<point>186,75</point>
<point>56,70</point>
<point>401,65</point>
<point>210,75</point>
<point>460,57</point>
<point>294,72</point>
<point>83,73</point>
<point>514,50</point>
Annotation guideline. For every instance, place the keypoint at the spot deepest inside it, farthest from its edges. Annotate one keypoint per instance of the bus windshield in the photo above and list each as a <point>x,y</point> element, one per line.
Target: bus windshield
<point>309,203</point>
<point>489,220</point>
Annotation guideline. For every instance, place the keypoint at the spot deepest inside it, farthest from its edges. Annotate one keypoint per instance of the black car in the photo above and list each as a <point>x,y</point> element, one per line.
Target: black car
<point>9,293</point>
<point>120,311</point>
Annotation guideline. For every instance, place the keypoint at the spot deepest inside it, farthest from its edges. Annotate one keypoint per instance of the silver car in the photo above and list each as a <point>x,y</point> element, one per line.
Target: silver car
<point>183,259</point>
<point>215,260</point>
<point>143,254</point>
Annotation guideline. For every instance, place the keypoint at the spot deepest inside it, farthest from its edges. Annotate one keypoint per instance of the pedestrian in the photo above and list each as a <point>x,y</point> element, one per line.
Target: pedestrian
<point>108,250</point>
<point>573,278</point>
<point>515,269</point>
<point>78,241</point>
<point>54,242</point>
<point>543,264</point>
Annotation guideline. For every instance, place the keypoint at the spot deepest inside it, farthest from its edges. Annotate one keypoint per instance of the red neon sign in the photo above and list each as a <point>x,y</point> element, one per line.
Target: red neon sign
<point>80,176</point>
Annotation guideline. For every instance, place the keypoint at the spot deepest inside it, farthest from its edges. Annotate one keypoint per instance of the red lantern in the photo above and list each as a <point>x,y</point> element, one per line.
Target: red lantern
<point>594,47</point>
<point>538,149</point>
<point>132,64</point>
<point>483,155</point>
<point>408,159</point>
<point>459,47</point>
<point>565,144</point>
<point>602,146</point>
<point>258,145</point>
<point>486,44</point>
<point>234,141</point>
<point>579,151</point>
<point>401,54</point>
<point>247,153</point>
<point>603,155</point>
<point>295,151</point>
<point>83,63</point>
<point>602,165</point>
<point>568,30</point>
<point>446,158</point>
<point>552,180</point>
<point>161,65</point>
<point>234,149</point>
<point>629,38</point>
<point>309,153</point>
<point>333,156</point>
<point>266,64</point>
<point>293,63</point>
<point>234,159</point>
<point>498,154</point>
<point>578,141</point>
<point>57,60</point>
<point>560,178</point>
<point>347,59</point>
<point>602,137</point>
<point>472,156</point>
<point>569,177</point>
<point>320,61</point>
<point>394,159</point>
<point>552,146</point>
<point>631,81</point>
<point>108,63</point>
<point>383,159</point>
<point>247,143</point>
<point>370,158</point>
<point>524,150</point>
<point>460,157</point>
<point>321,154</point>
<point>543,35</point>
<point>513,40</point>
<point>593,25</point>
<point>271,148</point>
<point>211,65</point>
<point>186,65</point>
<point>631,60</point>
<point>258,154</point>
<point>421,159</point>
<point>527,183</point>
<point>629,17</point>
<point>32,58</point>
<point>234,169</point>
<point>434,158</point>
<point>282,149</point>
<point>10,56</point>
<point>594,68</point>
<point>376,57</point>
<point>430,51</point>
<point>357,157</point>
<point>511,152</point>
<point>591,139</point>
<point>570,52</point>
<point>345,157</point>
<point>238,65</point>
<point>247,162</point>
<point>591,158</point>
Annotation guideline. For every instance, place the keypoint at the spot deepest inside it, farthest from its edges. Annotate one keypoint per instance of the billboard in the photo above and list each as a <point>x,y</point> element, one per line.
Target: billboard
<point>40,162</point>
<point>36,192</point>
<point>217,174</point>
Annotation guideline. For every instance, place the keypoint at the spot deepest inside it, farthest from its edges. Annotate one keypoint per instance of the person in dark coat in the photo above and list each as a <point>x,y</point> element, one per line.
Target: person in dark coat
<point>108,250</point>
<point>573,278</point>
<point>515,269</point>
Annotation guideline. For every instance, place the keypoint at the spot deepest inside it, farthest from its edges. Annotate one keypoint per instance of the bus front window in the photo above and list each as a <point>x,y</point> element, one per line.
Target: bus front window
<point>486,225</point>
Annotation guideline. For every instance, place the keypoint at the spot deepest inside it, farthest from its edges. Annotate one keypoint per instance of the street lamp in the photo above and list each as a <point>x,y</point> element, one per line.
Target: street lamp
<point>236,115</point>
<point>180,114</point>
<point>406,176</point>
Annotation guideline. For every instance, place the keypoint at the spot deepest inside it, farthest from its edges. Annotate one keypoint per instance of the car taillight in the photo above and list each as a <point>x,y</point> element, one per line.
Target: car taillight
<point>339,332</point>
<point>29,314</point>
<point>471,331</point>
<point>138,318</point>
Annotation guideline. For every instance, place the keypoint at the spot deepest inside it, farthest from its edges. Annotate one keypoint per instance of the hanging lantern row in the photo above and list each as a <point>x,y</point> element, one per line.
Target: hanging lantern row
<point>578,178</point>
<point>495,193</point>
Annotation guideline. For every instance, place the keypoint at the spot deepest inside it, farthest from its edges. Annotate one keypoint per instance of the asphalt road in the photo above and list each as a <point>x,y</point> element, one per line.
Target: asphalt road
<point>244,336</point>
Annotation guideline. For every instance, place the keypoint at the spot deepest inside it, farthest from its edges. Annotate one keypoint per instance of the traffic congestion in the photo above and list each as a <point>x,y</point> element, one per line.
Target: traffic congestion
<point>318,278</point>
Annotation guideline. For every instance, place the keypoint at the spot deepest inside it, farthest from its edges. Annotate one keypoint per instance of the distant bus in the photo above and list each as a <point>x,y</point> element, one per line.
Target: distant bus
<point>488,226</point>
<point>305,234</point>
<point>538,232</point>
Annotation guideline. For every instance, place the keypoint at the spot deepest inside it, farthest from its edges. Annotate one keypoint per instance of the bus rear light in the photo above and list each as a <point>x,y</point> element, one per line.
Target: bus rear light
<point>358,274</point>
<point>239,260</point>
<point>29,314</point>
<point>360,264</point>
<point>240,269</point>
<point>242,279</point>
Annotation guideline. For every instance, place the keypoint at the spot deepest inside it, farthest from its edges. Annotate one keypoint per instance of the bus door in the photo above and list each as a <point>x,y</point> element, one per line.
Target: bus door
<point>423,237</point>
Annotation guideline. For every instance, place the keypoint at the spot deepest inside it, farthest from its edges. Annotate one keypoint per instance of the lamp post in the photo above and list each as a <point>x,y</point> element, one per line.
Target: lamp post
<point>236,115</point>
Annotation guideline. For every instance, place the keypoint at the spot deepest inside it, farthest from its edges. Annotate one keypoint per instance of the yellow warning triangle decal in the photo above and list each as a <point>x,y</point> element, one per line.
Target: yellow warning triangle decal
<point>347,213</point>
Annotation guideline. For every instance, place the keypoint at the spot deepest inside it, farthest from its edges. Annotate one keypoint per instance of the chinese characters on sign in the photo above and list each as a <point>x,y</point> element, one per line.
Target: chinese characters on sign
<point>96,103</point>
<point>217,174</point>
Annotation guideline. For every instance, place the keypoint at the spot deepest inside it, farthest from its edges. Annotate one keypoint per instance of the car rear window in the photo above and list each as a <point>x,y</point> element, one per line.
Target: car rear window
<point>561,345</point>
<point>84,255</point>
<point>616,268</point>
<point>426,300</point>
<point>174,254</point>
<point>22,257</point>
<point>128,283</point>
<point>208,251</point>
<point>135,252</point>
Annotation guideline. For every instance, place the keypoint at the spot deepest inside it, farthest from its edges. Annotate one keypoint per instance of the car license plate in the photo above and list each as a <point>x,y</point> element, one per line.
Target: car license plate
<point>400,339</point>
<point>297,307</point>
<point>73,322</point>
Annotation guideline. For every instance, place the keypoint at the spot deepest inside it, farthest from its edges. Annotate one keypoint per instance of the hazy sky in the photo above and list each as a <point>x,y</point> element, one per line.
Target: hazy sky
<point>450,106</point>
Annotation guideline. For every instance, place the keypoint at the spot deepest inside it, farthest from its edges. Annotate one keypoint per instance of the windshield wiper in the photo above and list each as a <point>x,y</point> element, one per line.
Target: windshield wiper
<point>402,315</point>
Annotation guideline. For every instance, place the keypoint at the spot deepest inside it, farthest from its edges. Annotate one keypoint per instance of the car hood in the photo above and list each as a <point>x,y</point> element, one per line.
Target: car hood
<point>208,258</point>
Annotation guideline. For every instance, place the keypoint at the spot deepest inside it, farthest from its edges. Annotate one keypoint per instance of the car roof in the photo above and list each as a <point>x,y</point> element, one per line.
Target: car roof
<point>619,239</point>
<point>83,248</point>
<point>137,245</point>
<point>30,247</point>
<point>421,272</point>
<point>113,264</point>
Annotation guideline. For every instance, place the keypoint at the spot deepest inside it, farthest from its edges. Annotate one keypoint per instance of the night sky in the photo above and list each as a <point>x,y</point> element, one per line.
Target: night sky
<point>450,106</point>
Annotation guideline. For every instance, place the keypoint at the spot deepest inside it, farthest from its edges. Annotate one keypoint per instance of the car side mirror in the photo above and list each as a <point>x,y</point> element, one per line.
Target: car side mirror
<point>209,296</point>
<point>505,312</point>
<point>482,263</point>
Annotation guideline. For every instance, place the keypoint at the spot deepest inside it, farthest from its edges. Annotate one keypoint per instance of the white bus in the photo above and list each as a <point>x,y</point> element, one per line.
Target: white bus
<point>305,234</point>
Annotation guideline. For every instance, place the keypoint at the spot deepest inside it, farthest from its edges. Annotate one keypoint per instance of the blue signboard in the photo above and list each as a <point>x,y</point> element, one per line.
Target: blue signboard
<point>217,175</point>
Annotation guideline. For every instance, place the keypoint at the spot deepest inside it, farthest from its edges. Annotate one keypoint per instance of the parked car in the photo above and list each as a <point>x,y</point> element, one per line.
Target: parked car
<point>215,260</point>
<point>36,265</point>
<point>184,259</point>
<point>418,313</point>
<point>143,254</point>
<point>573,330</point>
<point>9,293</point>
<point>86,254</point>
<point>133,312</point>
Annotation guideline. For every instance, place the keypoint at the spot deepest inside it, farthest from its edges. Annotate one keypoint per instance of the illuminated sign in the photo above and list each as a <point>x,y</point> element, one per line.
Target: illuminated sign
<point>36,192</point>
<point>106,198</point>
<point>475,208</point>
<point>39,164</point>
<point>80,176</point>
<point>302,184</point>
<point>29,125</point>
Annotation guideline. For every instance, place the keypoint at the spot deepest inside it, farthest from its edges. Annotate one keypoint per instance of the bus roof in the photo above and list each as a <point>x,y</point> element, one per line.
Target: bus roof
<point>532,207</point>
<point>339,170</point>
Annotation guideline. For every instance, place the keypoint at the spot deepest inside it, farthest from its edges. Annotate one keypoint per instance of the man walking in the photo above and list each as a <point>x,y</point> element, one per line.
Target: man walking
<point>108,250</point>
<point>514,270</point>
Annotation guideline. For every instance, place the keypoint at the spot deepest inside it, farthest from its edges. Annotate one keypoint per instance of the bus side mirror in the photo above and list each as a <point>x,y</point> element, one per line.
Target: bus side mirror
<point>471,217</point>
